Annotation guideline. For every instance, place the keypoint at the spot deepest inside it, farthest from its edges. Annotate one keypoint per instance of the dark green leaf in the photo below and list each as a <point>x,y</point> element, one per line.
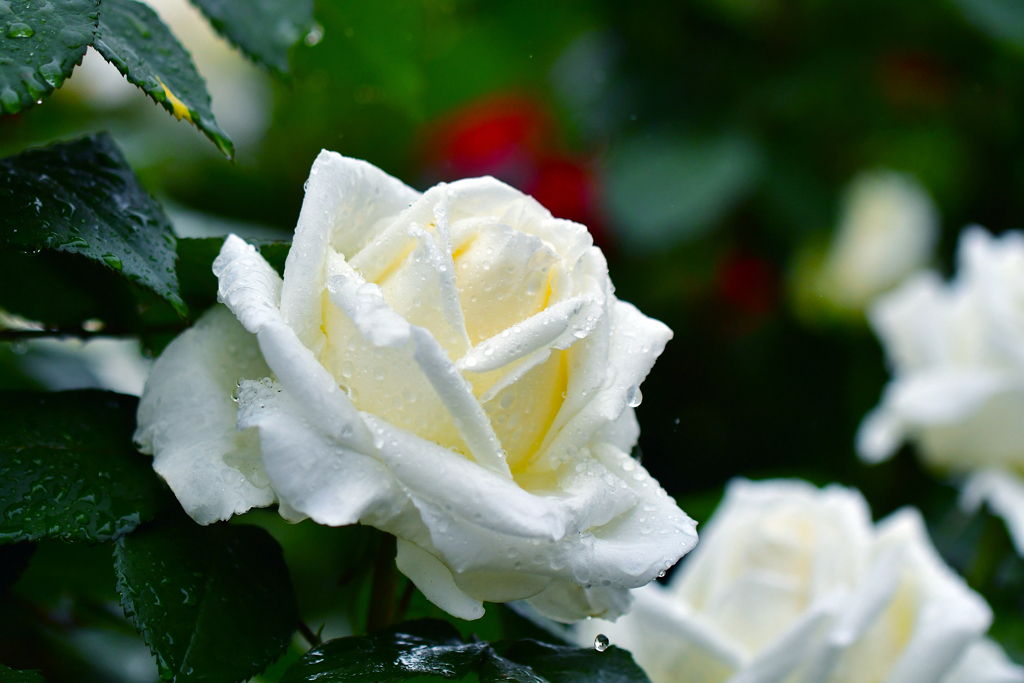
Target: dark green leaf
<point>213,603</point>
<point>575,665</point>
<point>68,468</point>
<point>427,647</point>
<point>41,43</point>
<point>497,668</point>
<point>9,675</point>
<point>132,38</point>
<point>63,290</point>
<point>265,30</point>
<point>81,197</point>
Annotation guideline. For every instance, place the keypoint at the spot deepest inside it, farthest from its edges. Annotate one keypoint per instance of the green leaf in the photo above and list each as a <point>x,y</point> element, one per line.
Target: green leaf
<point>559,664</point>
<point>9,675</point>
<point>265,30</point>
<point>68,468</point>
<point>132,38</point>
<point>666,190</point>
<point>213,603</point>
<point>40,44</point>
<point>415,648</point>
<point>81,197</point>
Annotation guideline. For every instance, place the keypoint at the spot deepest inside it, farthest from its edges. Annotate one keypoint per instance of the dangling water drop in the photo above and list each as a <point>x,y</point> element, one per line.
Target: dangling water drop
<point>634,397</point>
<point>601,642</point>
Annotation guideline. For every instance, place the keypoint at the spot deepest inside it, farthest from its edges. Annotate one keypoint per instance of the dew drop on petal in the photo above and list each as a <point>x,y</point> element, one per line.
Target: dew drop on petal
<point>634,397</point>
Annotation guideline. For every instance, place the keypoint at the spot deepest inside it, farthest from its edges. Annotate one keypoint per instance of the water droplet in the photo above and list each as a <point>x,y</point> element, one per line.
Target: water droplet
<point>601,642</point>
<point>634,397</point>
<point>20,30</point>
<point>112,261</point>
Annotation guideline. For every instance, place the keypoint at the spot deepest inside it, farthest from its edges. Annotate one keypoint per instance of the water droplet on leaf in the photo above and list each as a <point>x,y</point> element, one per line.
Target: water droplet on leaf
<point>601,642</point>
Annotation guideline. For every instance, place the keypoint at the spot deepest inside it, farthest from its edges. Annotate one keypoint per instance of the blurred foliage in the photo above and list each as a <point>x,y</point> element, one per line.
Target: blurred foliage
<point>704,142</point>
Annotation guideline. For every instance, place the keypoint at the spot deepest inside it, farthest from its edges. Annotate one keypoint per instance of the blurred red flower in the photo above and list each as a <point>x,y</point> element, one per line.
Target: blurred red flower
<point>516,140</point>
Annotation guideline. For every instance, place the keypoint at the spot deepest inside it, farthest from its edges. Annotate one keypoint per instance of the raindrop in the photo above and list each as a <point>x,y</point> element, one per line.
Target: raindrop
<point>314,36</point>
<point>20,30</point>
<point>601,642</point>
<point>634,397</point>
<point>112,261</point>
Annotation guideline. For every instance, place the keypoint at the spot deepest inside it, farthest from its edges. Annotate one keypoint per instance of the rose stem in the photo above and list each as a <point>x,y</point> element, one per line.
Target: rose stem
<point>307,633</point>
<point>385,581</point>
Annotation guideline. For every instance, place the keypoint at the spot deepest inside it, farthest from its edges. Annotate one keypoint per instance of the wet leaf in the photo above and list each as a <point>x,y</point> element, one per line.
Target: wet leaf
<point>9,675</point>
<point>81,197</point>
<point>132,38</point>
<point>213,603</point>
<point>265,30</point>
<point>68,468</point>
<point>559,664</point>
<point>41,41</point>
<point>426,647</point>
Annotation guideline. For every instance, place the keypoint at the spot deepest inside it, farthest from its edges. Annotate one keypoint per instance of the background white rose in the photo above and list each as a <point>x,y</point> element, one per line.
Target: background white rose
<point>450,367</point>
<point>794,584</point>
<point>956,351</point>
<point>887,229</point>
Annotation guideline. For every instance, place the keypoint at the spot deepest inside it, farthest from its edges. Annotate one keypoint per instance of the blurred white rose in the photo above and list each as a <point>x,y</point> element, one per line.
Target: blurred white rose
<point>451,367</point>
<point>794,584</point>
<point>888,228</point>
<point>956,351</point>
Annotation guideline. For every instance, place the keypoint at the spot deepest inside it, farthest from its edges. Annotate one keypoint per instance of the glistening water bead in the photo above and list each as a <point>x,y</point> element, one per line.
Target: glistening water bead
<point>601,642</point>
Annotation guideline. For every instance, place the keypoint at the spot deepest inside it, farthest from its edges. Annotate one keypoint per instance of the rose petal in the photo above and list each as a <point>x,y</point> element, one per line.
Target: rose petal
<point>318,477</point>
<point>347,203</point>
<point>985,662</point>
<point>247,284</point>
<point>435,582</point>
<point>187,418</point>
<point>411,262</point>
<point>568,602</point>
<point>950,616</point>
<point>1004,493</point>
<point>365,306</point>
<point>597,392</point>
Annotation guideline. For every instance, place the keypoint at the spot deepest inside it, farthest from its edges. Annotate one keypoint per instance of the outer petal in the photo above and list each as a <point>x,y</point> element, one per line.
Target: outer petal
<point>929,398</point>
<point>1004,492</point>
<point>603,378</point>
<point>187,418</point>
<point>435,581</point>
<point>568,602</point>
<point>347,203</point>
<point>985,662</point>
<point>671,643</point>
<point>316,476</point>
<point>950,616</point>
<point>247,286</point>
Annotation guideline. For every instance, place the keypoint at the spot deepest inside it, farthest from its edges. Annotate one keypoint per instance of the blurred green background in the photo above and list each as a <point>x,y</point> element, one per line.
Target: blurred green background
<point>706,143</point>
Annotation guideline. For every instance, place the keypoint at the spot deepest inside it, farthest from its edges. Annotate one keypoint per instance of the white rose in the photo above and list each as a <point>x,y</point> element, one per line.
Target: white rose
<point>794,584</point>
<point>452,368</point>
<point>956,352</point>
<point>888,228</point>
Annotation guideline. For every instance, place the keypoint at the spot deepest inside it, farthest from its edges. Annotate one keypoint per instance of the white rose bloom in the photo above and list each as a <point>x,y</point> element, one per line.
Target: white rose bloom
<point>450,367</point>
<point>888,228</point>
<point>956,353</point>
<point>794,584</point>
